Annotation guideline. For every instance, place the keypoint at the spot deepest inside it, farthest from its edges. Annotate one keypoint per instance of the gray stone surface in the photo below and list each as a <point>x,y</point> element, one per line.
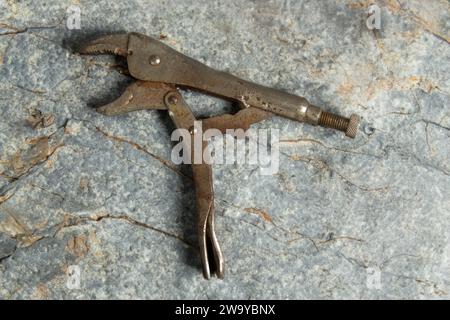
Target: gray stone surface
<point>82,189</point>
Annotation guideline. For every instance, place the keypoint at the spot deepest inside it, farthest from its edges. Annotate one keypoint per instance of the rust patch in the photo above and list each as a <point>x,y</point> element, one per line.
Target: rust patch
<point>84,184</point>
<point>38,120</point>
<point>17,229</point>
<point>355,5</point>
<point>345,88</point>
<point>296,157</point>
<point>40,292</point>
<point>22,161</point>
<point>373,88</point>
<point>402,84</point>
<point>4,198</point>
<point>392,5</point>
<point>96,245</point>
<point>263,214</point>
<point>286,183</point>
<point>78,246</point>
<point>429,23</point>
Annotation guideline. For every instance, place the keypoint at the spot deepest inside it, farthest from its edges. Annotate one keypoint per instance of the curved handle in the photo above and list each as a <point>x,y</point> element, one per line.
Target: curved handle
<point>210,253</point>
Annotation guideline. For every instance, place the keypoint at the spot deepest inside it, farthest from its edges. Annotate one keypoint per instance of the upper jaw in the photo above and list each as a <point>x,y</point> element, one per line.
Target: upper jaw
<point>112,44</point>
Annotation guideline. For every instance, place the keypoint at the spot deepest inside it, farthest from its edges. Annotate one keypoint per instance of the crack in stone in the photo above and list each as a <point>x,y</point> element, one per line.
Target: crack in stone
<point>299,236</point>
<point>14,180</point>
<point>419,162</point>
<point>322,165</point>
<point>18,230</point>
<point>47,191</point>
<point>309,140</point>
<point>34,91</point>
<point>400,255</point>
<point>147,226</point>
<point>71,221</point>
<point>15,30</point>
<point>5,197</point>
<point>421,22</point>
<point>434,285</point>
<point>427,122</point>
<point>28,171</point>
<point>9,255</point>
<point>137,146</point>
<point>353,261</point>
<point>445,40</point>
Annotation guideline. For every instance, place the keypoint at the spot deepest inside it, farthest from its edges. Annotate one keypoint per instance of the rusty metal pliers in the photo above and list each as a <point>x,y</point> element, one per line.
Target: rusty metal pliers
<point>160,71</point>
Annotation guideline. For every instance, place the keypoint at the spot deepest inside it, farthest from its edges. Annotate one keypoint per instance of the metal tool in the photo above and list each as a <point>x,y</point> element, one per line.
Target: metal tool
<point>160,71</point>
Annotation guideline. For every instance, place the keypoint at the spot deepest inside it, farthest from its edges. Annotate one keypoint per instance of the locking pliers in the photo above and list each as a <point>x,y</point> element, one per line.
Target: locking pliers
<point>160,71</point>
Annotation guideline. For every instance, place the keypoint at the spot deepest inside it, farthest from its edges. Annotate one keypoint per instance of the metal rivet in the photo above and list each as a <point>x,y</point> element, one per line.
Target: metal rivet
<point>172,99</point>
<point>192,130</point>
<point>155,60</point>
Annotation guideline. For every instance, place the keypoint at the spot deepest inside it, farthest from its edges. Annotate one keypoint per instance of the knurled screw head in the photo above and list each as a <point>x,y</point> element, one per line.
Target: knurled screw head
<point>334,121</point>
<point>154,60</point>
<point>352,126</point>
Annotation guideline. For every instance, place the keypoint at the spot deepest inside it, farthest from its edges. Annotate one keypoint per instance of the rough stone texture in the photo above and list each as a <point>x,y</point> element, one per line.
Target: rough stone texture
<point>87,190</point>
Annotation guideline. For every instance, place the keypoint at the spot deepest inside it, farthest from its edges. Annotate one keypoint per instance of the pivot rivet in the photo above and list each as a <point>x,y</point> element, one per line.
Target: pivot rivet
<point>154,60</point>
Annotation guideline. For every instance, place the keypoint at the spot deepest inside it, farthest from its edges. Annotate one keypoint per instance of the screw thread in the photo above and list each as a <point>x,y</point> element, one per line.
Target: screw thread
<point>333,121</point>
